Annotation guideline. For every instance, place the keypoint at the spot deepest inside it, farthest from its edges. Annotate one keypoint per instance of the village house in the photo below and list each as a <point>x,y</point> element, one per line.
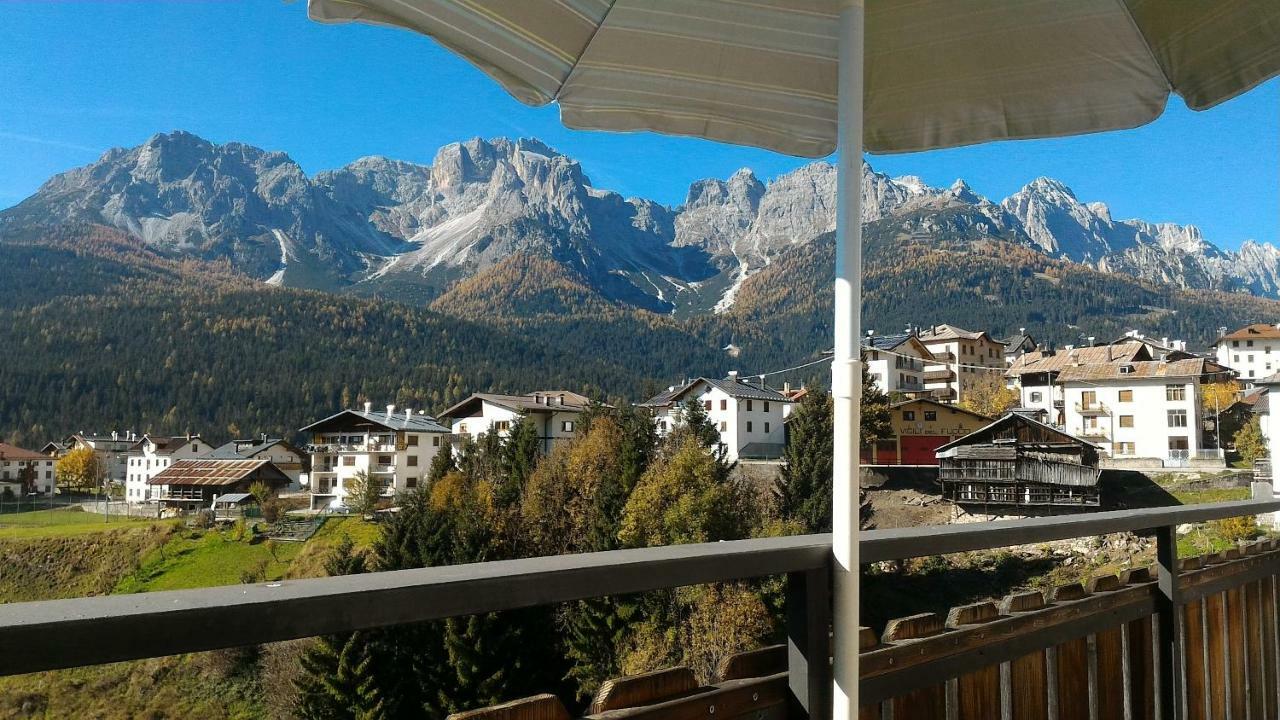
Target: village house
<point>748,415</point>
<point>112,451</point>
<point>1035,374</point>
<point>960,358</point>
<point>152,454</point>
<point>896,362</point>
<point>918,428</point>
<point>288,458</point>
<point>394,448</point>
<point>1253,351</point>
<point>1162,349</point>
<point>1147,409</point>
<point>193,484</point>
<point>554,412</point>
<point>1018,345</point>
<point>1018,461</point>
<point>26,471</point>
<point>1270,426</point>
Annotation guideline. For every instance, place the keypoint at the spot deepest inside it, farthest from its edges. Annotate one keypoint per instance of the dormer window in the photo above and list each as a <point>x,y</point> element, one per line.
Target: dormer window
<point>1126,369</point>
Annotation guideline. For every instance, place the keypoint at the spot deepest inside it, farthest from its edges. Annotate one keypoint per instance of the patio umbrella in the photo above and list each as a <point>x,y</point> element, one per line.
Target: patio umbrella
<point>806,77</point>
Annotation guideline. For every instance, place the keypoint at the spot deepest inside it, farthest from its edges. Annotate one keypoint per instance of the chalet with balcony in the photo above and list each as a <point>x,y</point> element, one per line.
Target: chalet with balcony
<point>748,415</point>
<point>394,447</point>
<point>896,362</point>
<point>190,485</point>
<point>26,471</point>
<point>1035,373</point>
<point>1146,409</point>
<point>555,412</point>
<point>1018,345</point>
<point>960,358</point>
<point>1018,461</point>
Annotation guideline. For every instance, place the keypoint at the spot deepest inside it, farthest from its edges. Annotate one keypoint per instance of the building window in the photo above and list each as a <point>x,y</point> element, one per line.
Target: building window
<point>1126,396</point>
<point>502,425</point>
<point>1177,418</point>
<point>766,406</point>
<point>1235,343</point>
<point>908,415</point>
<point>384,459</point>
<point>724,404</point>
<point>435,441</point>
<point>1248,343</point>
<point>1088,398</point>
<point>706,405</point>
<point>748,405</point>
<point>1178,442</point>
<point>1125,448</point>
<point>412,441</point>
<point>566,426</point>
<point>724,426</point>
<point>1037,397</point>
<point>1126,421</point>
<point>411,482</point>
<point>766,428</point>
<point>348,460</point>
<point>748,426</point>
<point>1175,393</point>
<point>462,428</point>
<point>930,415</point>
<point>413,461</point>
<point>662,425</point>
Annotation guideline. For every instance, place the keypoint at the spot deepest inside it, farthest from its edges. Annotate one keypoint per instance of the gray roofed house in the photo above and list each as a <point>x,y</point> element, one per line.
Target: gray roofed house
<point>553,412</point>
<point>748,415</point>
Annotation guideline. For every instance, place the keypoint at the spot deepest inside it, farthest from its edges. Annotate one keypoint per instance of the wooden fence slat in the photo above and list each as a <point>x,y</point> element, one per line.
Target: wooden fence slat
<point>977,692</point>
<point>1072,664</point>
<point>1253,651</point>
<point>1107,672</point>
<point>1270,662</point>
<point>1236,648</point>
<point>926,703</point>
<point>753,663</point>
<point>538,707</point>
<point>1215,616</point>
<point>1194,653</point>
<point>1028,675</point>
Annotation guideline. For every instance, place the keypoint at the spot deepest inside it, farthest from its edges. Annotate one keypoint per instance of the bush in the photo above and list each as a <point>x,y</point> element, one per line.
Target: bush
<point>1238,529</point>
<point>203,519</point>
<point>271,510</point>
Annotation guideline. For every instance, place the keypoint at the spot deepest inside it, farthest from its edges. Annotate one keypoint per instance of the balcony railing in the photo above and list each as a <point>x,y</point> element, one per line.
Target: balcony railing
<point>84,631</point>
<point>1092,409</point>
<point>183,495</point>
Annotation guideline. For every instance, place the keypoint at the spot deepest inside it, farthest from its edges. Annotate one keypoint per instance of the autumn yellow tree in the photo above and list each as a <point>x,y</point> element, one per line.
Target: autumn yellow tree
<point>79,469</point>
<point>989,396</point>
<point>1218,396</point>
<point>1250,443</point>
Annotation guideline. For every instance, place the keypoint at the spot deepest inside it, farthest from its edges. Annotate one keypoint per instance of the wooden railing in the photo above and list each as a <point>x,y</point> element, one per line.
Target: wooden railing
<point>1196,617</point>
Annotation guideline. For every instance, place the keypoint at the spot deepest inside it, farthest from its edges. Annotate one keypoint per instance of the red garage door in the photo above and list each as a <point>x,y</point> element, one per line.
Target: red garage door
<point>919,449</point>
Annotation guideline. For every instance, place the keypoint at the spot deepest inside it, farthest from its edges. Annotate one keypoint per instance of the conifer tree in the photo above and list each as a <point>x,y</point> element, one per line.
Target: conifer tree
<point>442,464</point>
<point>804,489</point>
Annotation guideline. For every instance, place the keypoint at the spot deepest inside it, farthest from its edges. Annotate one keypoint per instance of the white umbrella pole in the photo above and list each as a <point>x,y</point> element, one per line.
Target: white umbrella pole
<point>846,371</point>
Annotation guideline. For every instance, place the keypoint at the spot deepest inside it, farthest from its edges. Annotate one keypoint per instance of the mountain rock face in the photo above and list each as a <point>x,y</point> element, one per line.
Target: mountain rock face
<point>414,232</point>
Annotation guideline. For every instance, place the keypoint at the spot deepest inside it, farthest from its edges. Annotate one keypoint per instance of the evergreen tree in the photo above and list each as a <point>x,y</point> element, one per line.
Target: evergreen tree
<point>442,464</point>
<point>339,680</point>
<point>874,411</point>
<point>520,455</point>
<point>804,490</point>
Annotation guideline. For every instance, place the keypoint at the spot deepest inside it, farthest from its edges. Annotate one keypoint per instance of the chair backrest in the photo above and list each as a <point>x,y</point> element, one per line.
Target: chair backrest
<point>538,707</point>
<point>753,663</point>
<point>651,687</point>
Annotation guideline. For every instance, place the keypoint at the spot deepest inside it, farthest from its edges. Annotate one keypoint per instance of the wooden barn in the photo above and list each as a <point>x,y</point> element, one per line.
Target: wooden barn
<point>1020,461</point>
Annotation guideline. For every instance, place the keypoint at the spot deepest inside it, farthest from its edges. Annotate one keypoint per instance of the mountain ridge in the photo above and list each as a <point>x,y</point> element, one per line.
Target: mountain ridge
<point>410,231</point>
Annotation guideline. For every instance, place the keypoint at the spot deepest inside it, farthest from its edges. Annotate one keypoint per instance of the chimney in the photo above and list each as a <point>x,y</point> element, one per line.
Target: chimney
<point>115,435</point>
<point>408,414</point>
<point>1022,331</point>
<point>1091,339</point>
<point>1164,341</point>
<point>264,437</point>
<point>391,409</point>
<point>368,406</point>
<point>786,387</point>
<point>733,375</point>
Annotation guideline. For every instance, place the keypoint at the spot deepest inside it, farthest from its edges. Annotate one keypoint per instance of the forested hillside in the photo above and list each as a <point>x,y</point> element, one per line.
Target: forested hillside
<point>100,333</point>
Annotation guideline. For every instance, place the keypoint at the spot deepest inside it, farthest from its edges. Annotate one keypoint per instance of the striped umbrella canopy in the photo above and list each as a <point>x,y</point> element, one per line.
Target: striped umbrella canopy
<point>938,73</point>
<point>805,77</point>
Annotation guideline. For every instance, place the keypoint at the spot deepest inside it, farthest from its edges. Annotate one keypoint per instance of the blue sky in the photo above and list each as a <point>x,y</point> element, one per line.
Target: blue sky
<point>78,78</point>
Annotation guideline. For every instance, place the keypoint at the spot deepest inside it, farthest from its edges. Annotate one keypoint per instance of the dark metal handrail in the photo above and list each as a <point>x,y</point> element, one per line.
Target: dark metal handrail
<point>57,634</point>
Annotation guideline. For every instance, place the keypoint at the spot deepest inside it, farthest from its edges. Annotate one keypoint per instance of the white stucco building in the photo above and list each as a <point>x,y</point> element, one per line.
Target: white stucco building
<point>1035,374</point>
<point>896,362</point>
<point>748,415</point>
<point>112,451</point>
<point>1253,351</point>
<point>148,456</point>
<point>1147,409</point>
<point>394,447</point>
<point>19,466</point>
<point>555,413</point>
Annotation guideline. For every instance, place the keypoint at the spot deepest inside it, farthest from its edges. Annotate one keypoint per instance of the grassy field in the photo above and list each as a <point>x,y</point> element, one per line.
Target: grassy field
<point>62,522</point>
<point>70,553</point>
